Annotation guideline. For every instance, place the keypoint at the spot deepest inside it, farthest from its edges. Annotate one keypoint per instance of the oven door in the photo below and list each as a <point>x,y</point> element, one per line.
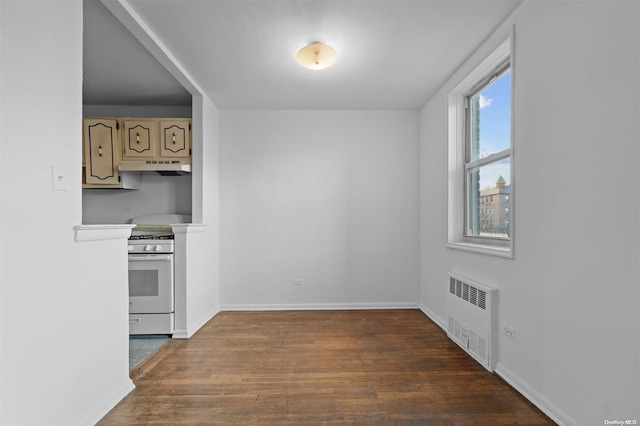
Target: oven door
<point>150,283</point>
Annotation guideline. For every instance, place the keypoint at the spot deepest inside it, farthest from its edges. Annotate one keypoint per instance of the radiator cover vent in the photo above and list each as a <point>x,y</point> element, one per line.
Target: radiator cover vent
<point>468,292</point>
<point>472,313</point>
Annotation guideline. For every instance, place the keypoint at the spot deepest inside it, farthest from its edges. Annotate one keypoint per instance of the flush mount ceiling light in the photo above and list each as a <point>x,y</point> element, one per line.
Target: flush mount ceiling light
<point>316,56</point>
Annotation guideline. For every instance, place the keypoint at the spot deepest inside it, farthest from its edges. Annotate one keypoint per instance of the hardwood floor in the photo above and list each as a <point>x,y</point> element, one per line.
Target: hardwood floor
<point>374,367</point>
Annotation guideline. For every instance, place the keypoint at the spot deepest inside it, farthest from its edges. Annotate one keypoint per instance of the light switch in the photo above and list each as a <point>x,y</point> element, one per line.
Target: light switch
<point>60,178</point>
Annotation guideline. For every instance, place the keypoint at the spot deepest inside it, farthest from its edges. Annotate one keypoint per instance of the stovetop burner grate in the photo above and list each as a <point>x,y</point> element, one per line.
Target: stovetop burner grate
<point>151,237</point>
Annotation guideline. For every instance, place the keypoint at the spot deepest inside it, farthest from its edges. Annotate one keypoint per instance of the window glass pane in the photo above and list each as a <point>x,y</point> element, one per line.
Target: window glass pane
<point>490,118</point>
<point>488,200</point>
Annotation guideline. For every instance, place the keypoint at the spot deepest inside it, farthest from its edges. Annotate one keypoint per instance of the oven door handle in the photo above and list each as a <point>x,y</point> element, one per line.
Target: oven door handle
<point>149,257</point>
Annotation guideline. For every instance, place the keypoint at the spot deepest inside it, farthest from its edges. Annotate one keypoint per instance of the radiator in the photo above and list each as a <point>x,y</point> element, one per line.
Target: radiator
<point>472,318</point>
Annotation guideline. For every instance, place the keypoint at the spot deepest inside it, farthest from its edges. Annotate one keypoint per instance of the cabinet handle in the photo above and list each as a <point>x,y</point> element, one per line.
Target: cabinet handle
<point>99,150</point>
<point>174,138</point>
<point>137,138</point>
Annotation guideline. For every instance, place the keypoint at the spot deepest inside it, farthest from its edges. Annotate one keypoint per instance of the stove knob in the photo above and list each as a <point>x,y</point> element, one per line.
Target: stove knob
<point>148,247</point>
<point>158,247</point>
<point>129,248</point>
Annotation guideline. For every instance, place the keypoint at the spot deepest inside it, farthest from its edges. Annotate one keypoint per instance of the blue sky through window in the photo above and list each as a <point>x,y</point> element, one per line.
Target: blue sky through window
<point>495,128</point>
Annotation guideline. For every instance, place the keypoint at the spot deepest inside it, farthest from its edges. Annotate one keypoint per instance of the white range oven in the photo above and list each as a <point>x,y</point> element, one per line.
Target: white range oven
<point>151,284</point>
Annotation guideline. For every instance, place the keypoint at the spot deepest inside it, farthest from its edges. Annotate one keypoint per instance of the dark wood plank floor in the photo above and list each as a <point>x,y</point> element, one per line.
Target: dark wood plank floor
<point>319,367</point>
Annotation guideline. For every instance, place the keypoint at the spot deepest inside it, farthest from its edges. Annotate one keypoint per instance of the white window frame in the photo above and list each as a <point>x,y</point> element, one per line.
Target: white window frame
<point>457,157</point>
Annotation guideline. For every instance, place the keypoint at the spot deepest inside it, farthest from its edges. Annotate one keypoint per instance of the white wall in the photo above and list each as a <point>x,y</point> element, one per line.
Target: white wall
<point>168,111</point>
<point>572,290</point>
<point>201,240</point>
<point>63,311</point>
<point>157,195</point>
<point>1,208</point>
<point>203,301</point>
<point>329,197</point>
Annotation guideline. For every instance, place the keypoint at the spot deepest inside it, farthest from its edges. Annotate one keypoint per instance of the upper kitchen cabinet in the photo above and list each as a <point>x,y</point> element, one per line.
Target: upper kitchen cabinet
<point>101,146</point>
<point>139,139</point>
<point>115,146</point>
<point>175,138</point>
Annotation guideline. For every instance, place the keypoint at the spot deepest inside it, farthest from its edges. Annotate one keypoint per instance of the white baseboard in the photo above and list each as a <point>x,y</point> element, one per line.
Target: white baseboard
<point>101,410</point>
<point>316,306</point>
<point>180,334</point>
<point>196,325</point>
<point>435,318</point>
<point>534,397</point>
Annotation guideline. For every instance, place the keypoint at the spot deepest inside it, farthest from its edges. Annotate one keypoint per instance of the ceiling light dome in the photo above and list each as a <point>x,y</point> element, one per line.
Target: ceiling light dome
<point>316,56</point>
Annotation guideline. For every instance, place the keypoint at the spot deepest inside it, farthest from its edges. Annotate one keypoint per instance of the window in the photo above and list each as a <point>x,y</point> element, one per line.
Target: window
<point>488,151</point>
<point>480,153</point>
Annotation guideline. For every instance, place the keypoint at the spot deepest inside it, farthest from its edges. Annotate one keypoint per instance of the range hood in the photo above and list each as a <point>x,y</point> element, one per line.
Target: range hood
<point>164,168</point>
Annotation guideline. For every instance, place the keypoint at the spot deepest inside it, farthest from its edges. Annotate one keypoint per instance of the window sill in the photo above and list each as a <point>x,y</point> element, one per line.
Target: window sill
<point>506,252</point>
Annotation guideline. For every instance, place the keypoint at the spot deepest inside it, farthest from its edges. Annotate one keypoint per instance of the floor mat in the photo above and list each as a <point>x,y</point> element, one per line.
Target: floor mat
<point>143,346</point>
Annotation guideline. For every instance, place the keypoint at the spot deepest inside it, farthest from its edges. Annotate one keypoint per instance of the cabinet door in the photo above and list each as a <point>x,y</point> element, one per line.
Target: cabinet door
<point>139,139</point>
<point>101,136</point>
<point>175,137</point>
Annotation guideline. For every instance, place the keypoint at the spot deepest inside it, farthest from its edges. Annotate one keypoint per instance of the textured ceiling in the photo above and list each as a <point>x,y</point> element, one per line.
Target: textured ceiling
<point>392,54</point>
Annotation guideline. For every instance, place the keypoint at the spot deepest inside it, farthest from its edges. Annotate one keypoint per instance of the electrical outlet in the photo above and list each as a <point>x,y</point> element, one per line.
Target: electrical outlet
<point>298,282</point>
<point>510,332</point>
